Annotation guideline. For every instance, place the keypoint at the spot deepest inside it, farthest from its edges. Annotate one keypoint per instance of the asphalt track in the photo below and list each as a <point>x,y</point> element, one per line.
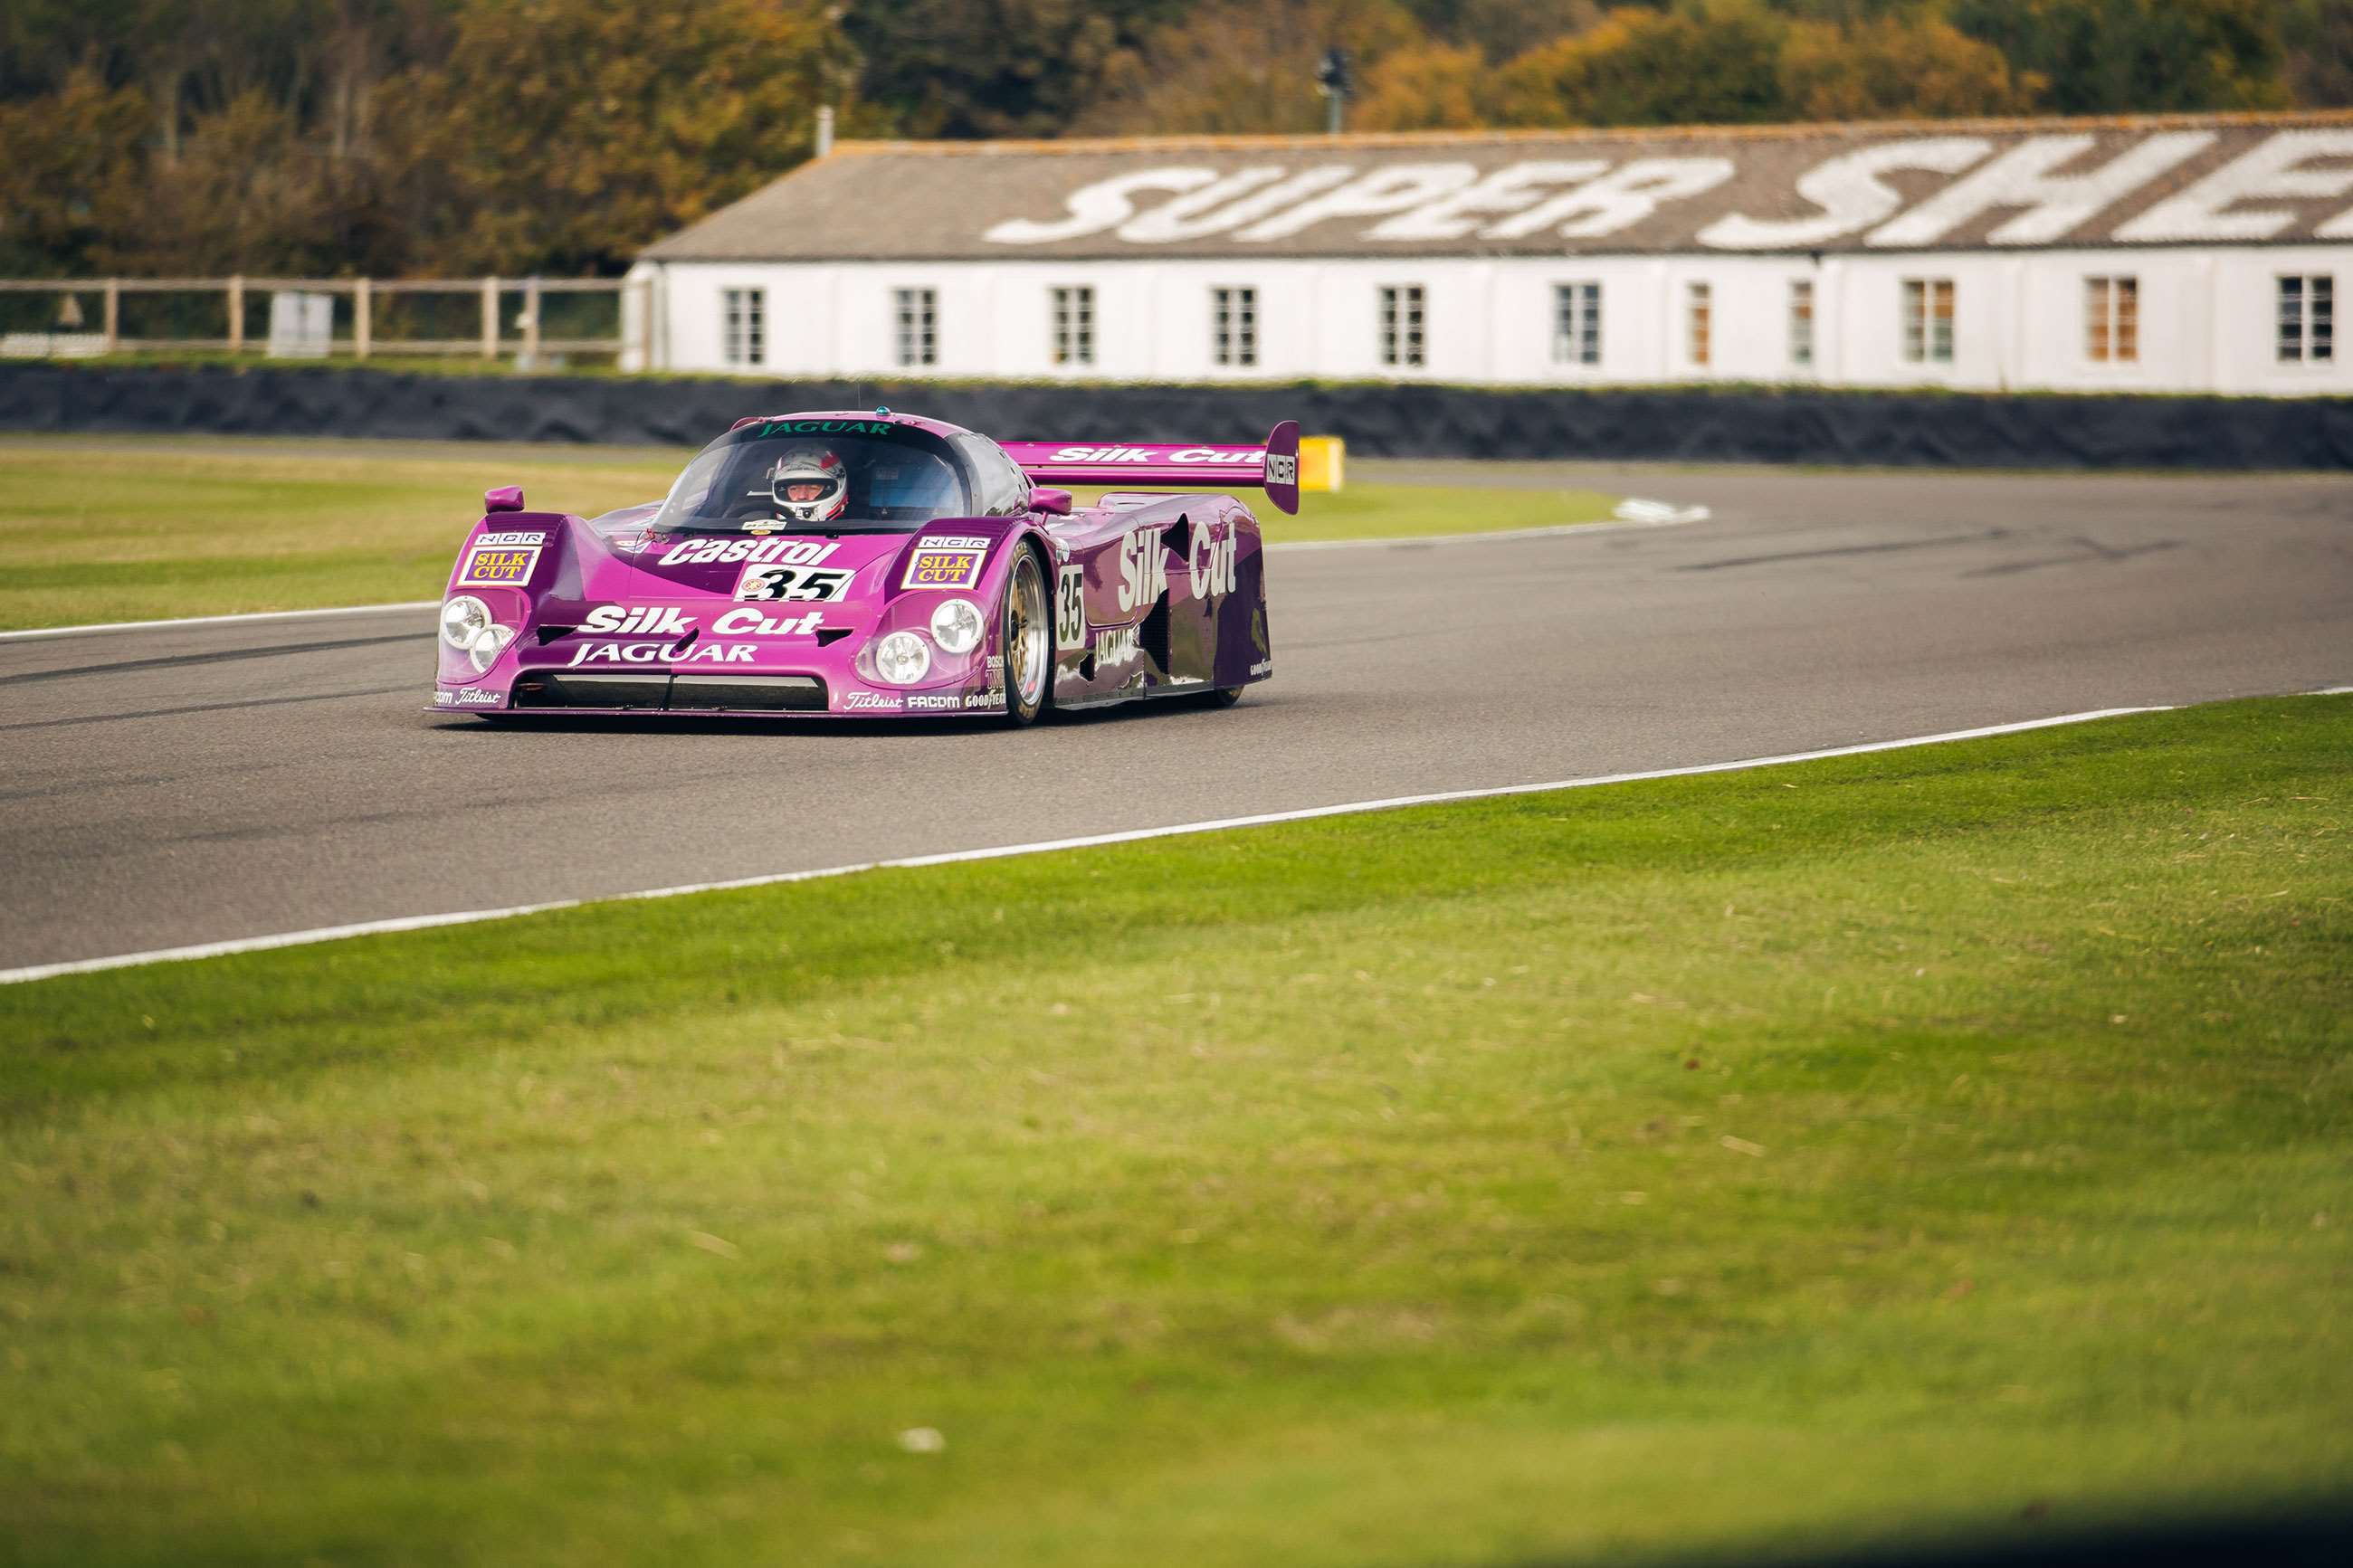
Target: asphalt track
<point>176,786</point>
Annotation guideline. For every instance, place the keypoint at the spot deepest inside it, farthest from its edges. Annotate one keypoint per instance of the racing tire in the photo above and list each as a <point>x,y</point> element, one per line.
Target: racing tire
<point>1026,633</point>
<point>1224,697</point>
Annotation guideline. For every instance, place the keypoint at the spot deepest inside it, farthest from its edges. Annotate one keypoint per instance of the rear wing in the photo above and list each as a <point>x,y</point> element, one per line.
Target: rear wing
<point>1273,467</point>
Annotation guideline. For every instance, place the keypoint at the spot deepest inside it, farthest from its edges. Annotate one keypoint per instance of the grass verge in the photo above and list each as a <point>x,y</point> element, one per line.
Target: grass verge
<point>1815,1155</point>
<point>96,529</point>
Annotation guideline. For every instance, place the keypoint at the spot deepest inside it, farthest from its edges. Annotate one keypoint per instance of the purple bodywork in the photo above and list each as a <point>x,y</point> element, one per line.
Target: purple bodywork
<point>1146,595</point>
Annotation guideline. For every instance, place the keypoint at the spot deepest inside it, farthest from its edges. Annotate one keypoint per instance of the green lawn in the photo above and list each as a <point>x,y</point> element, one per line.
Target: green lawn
<point>1946,1138</point>
<point>113,529</point>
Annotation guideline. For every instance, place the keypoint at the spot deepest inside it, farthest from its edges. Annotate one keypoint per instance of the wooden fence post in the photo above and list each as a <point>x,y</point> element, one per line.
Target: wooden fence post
<point>489,318</point>
<point>530,323</point>
<point>113,313</point>
<point>639,292</point>
<point>237,314</point>
<point>363,308</point>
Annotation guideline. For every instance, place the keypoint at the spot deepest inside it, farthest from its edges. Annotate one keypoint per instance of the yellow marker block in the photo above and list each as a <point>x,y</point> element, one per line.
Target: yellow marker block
<point>1321,459</point>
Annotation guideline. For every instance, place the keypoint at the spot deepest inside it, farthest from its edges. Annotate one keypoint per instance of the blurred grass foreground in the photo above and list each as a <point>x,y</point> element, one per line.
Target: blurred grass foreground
<point>1951,1139</point>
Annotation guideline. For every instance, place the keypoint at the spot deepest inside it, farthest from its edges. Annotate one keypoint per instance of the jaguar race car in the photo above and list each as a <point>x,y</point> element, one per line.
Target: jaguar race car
<point>863,564</point>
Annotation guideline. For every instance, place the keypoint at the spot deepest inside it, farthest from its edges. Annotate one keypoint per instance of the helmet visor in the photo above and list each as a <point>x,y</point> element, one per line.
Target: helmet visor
<point>806,489</point>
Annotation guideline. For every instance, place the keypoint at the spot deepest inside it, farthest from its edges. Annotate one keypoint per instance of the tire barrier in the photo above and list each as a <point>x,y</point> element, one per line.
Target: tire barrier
<point>1896,429</point>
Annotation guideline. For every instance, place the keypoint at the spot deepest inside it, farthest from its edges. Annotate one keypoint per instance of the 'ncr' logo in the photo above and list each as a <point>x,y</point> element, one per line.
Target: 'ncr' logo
<point>1281,468</point>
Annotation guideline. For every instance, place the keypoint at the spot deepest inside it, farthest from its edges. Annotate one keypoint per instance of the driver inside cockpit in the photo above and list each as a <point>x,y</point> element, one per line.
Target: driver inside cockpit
<point>809,484</point>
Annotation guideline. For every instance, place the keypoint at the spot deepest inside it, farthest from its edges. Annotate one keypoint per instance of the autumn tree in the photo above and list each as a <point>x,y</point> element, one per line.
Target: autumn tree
<point>1233,66</point>
<point>441,136</point>
<point>1436,88</point>
<point>1502,29</point>
<point>67,162</point>
<point>1897,68</point>
<point>566,135</point>
<point>244,193</point>
<point>1716,64</point>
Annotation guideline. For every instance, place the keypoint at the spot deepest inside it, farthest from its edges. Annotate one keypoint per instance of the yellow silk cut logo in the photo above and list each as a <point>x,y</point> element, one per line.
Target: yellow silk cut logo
<point>497,565</point>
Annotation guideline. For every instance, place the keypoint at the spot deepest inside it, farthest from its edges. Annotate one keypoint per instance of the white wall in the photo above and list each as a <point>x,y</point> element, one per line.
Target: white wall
<point>2207,319</point>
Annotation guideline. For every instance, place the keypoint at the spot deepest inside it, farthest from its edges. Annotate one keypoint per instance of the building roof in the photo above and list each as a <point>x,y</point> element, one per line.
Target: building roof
<point>1948,184</point>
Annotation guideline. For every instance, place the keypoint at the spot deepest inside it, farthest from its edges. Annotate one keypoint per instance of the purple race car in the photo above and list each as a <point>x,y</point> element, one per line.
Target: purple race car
<point>862,563</point>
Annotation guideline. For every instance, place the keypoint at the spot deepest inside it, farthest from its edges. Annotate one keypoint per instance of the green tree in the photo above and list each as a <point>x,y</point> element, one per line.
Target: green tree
<point>2318,36</point>
<point>965,68</point>
<point>2123,56</point>
<point>45,42</point>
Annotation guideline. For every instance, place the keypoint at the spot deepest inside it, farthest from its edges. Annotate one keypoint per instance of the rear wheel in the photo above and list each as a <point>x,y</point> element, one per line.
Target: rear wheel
<point>1225,696</point>
<point>1026,636</point>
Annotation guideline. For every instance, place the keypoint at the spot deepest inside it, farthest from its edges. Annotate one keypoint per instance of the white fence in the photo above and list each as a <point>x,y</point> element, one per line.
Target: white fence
<point>353,320</point>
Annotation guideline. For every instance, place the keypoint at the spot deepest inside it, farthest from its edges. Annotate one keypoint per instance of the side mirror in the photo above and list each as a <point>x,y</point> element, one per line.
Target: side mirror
<point>1049,500</point>
<point>505,497</point>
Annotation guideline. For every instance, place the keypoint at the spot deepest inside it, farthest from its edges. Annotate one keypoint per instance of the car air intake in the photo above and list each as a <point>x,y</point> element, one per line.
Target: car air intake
<point>545,689</point>
<point>683,693</point>
<point>748,693</point>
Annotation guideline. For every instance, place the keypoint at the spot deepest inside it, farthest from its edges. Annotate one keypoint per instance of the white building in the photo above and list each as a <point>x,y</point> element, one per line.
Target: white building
<point>2187,254</point>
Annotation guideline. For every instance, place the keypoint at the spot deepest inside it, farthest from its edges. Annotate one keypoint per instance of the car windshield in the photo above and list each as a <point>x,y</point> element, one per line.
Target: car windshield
<point>898,478</point>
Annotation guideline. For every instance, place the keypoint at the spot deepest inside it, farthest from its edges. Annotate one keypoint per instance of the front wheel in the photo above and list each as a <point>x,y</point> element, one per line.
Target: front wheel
<point>1026,636</point>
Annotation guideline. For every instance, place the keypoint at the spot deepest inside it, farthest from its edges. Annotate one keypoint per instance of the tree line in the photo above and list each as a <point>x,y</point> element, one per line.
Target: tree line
<point>451,137</point>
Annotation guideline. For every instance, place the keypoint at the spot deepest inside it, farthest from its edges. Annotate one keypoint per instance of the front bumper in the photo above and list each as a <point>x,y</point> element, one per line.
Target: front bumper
<point>698,657</point>
<point>696,693</point>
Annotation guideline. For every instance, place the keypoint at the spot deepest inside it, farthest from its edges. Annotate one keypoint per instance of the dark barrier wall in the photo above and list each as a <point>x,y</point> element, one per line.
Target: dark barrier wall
<point>1900,430</point>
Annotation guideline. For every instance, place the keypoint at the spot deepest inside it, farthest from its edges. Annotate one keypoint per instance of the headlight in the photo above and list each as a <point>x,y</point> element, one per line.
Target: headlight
<point>956,624</point>
<point>483,651</point>
<point>463,619</point>
<point>901,658</point>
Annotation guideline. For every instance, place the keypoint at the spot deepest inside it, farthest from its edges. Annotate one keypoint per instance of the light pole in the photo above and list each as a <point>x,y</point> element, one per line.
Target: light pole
<point>1333,80</point>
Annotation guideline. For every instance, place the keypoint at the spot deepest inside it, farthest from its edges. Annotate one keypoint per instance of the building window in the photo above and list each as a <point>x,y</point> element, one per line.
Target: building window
<point>746,335</point>
<point>2112,320</point>
<point>1699,322</point>
<point>1928,320</point>
<point>1074,326</point>
<point>918,311</point>
<point>1233,326</point>
<point>2307,320</point>
<point>1801,323</point>
<point>1402,326</point>
<point>1576,323</point>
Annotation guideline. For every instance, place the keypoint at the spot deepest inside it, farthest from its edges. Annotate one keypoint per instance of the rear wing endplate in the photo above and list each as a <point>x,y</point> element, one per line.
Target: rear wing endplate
<point>1273,467</point>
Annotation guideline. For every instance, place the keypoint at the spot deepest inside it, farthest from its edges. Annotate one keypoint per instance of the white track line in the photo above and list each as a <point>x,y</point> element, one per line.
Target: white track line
<point>1003,851</point>
<point>218,620</point>
<point>1554,531</point>
<point>1561,530</point>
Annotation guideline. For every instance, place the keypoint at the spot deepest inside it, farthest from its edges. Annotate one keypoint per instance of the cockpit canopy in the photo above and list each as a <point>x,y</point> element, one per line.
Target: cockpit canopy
<point>901,476</point>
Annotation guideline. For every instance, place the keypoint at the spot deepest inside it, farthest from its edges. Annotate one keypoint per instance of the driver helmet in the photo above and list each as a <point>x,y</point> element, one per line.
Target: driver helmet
<point>810,484</point>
